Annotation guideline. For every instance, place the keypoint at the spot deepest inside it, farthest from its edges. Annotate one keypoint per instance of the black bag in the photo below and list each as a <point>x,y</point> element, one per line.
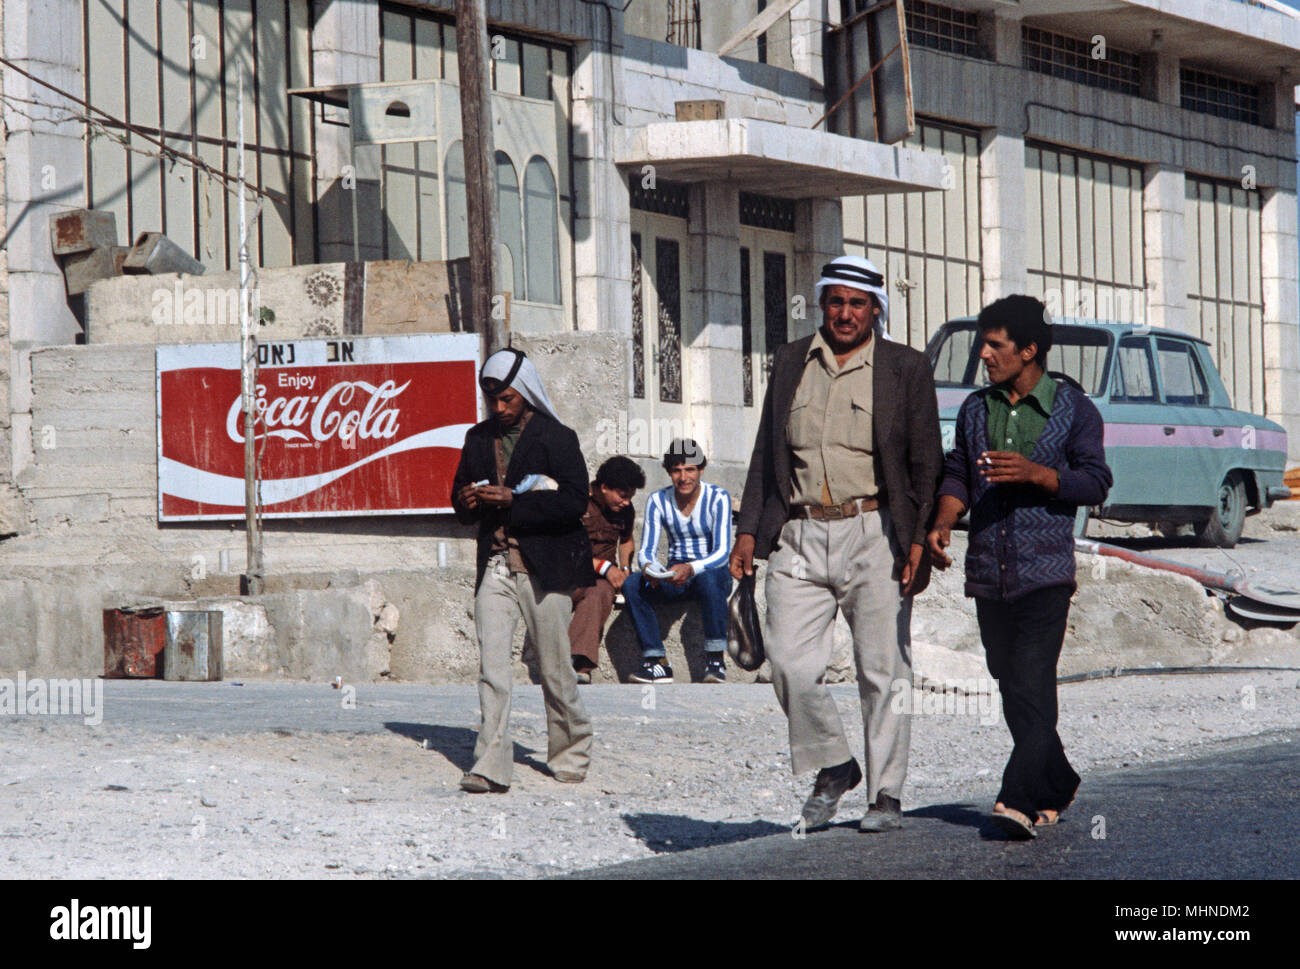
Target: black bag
<point>745,631</point>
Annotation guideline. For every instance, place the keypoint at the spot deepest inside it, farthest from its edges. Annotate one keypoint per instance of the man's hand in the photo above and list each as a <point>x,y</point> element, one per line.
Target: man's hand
<point>938,540</point>
<point>940,536</point>
<point>682,573</point>
<point>498,496</point>
<point>742,557</point>
<point>468,496</point>
<point>616,577</point>
<point>911,569</point>
<point>1009,467</point>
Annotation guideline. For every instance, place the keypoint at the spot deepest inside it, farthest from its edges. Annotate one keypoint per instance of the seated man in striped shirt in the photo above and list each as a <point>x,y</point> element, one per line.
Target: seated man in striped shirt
<point>697,520</point>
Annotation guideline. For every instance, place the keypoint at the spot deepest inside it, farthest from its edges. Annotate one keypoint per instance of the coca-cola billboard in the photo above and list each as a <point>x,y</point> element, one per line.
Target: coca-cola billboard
<point>355,426</point>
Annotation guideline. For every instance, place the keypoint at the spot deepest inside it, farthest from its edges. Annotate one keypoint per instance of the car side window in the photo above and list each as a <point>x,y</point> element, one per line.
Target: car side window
<point>1134,374</point>
<point>1180,374</point>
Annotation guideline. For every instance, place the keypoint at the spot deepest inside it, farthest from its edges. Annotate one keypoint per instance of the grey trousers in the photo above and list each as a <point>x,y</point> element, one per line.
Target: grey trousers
<point>822,566</point>
<point>501,601</point>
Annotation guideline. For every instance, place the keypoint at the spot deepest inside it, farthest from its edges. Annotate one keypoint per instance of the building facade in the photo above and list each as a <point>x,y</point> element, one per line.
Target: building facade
<point>1130,160</point>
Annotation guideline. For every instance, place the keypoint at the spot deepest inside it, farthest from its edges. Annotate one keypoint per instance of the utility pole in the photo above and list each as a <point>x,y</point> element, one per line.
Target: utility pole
<point>487,305</point>
<point>251,580</point>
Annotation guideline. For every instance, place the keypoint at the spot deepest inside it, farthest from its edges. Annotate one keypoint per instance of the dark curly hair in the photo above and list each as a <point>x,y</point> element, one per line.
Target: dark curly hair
<point>621,473</point>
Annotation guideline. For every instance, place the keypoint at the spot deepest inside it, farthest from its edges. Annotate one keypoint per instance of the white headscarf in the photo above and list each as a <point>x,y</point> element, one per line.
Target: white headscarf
<point>858,273</point>
<point>510,368</point>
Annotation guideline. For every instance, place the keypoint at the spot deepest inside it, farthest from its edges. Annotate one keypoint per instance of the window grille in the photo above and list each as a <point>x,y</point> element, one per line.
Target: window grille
<point>666,198</point>
<point>1072,59</point>
<point>1225,289</point>
<point>765,212</point>
<point>1223,97</point>
<point>943,28</point>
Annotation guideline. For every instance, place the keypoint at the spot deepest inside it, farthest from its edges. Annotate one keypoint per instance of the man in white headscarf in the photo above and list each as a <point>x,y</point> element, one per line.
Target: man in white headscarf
<point>532,553</point>
<point>838,499</point>
<point>862,274</point>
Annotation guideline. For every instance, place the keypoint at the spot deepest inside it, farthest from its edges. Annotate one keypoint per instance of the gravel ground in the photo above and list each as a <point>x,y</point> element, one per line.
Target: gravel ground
<point>1269,546</point>
<point>274,780</point>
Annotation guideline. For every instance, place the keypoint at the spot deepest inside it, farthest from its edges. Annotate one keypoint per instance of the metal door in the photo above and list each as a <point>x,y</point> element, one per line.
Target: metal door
<point>660,405</point>
<point>766,267</point>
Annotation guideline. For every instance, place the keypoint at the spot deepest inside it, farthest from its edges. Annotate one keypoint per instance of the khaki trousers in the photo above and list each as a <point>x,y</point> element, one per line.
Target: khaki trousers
<point>501,600</point>
<point>822,566</point>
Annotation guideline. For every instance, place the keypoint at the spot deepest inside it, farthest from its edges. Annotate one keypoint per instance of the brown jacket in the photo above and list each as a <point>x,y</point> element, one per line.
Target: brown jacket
<point>908,452</point>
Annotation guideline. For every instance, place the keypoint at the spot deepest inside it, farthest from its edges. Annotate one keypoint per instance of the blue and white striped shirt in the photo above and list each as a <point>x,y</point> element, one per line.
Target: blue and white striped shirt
<point>703,539</point>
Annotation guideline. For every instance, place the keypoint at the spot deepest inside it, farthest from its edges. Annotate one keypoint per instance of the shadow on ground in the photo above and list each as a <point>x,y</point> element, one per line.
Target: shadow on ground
<point>674,832</point>
<point>962,815</point>
<point>457,744</point>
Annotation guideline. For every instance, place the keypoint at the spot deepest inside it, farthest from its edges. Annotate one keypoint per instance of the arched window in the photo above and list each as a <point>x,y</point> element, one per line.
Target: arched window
<point>543,228</point>
<point>510,225</point>
<point>457,209</point>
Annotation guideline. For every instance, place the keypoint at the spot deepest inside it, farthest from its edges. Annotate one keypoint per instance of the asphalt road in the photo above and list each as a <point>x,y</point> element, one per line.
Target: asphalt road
<point>1230,815</point>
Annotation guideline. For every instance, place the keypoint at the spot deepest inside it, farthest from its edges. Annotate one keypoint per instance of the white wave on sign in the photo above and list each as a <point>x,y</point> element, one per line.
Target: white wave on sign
<point>205,487</point>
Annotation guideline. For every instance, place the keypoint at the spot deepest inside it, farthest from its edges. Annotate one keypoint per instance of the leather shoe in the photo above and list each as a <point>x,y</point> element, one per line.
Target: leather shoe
<point>478,784</point>
<point>831,785</point>
<point>568,776</point>
<point>885,815</point>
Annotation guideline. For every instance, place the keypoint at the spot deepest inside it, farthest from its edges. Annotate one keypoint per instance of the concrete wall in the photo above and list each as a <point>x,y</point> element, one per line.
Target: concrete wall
<point>656,74</point>
<point>92,488</point>
<point>417,625</point>
<point>43,175</point>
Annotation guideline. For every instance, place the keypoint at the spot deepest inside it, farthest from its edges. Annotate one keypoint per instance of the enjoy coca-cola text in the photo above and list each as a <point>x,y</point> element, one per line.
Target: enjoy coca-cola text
<point>330,414</point>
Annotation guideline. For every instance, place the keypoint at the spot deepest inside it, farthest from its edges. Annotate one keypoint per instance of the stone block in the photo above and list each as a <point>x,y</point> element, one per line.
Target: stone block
<point>38,309</point>
<point>1282,345</point>
<point>412,297</point>
<point>586,377</point>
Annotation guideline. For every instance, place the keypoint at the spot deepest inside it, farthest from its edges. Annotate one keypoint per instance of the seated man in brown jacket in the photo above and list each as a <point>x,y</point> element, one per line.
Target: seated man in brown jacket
<point>608,521</point>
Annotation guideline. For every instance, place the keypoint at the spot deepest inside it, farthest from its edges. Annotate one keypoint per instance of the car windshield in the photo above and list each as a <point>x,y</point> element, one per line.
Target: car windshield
<point>1079,352</point>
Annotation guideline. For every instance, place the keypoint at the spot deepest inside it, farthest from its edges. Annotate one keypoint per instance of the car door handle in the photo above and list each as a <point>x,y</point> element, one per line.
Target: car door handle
<point>1218,432</point>
<point>1168,431</point>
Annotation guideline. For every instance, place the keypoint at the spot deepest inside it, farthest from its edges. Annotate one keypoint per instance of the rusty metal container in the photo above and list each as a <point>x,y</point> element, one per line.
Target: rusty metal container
<point>192,650</point>
<point>154,253</point>
<point>82,230</point>
<point>133,641</point>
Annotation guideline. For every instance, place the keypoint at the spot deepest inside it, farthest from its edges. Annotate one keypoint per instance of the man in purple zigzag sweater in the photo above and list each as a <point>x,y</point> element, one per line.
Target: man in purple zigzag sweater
<point>1028,453</point>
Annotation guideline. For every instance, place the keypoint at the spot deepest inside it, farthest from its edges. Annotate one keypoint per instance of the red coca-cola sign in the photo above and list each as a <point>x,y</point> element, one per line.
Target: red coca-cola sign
<point>363,425</point>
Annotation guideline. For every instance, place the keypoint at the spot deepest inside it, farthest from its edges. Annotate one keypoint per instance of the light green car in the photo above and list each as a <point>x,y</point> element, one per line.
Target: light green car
<point>1178,450</point>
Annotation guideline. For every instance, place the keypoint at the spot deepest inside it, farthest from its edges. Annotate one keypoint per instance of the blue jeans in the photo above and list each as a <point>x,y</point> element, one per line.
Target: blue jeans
<point>711,587</point>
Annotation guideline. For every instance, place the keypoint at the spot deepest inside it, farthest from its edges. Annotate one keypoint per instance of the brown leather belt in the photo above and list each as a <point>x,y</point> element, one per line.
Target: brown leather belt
<point>833,512</point>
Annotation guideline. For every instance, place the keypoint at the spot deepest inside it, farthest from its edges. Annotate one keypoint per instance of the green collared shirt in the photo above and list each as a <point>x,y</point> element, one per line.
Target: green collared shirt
<point>1015,427</point>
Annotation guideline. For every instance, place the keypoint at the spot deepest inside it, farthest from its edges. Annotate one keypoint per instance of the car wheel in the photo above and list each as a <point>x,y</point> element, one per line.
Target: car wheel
<point>1224,526</point>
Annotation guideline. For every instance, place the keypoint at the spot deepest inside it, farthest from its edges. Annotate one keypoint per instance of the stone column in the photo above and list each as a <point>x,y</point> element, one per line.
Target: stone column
<point>1002,213</point>
<point>711,282</point>
<point>345,50</point>
<point>808,21</point>
<point>818,238</point>
<point>602,233</point>
<point>1278,263</point>
<point>1164,206</point>
<point>44,175</point>
<point>1000,37</point>
<point>1161,79</point>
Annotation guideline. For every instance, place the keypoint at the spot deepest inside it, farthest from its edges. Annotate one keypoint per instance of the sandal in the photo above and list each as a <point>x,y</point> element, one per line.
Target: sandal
<point>1045,820</point>
<point>1013,824</point>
